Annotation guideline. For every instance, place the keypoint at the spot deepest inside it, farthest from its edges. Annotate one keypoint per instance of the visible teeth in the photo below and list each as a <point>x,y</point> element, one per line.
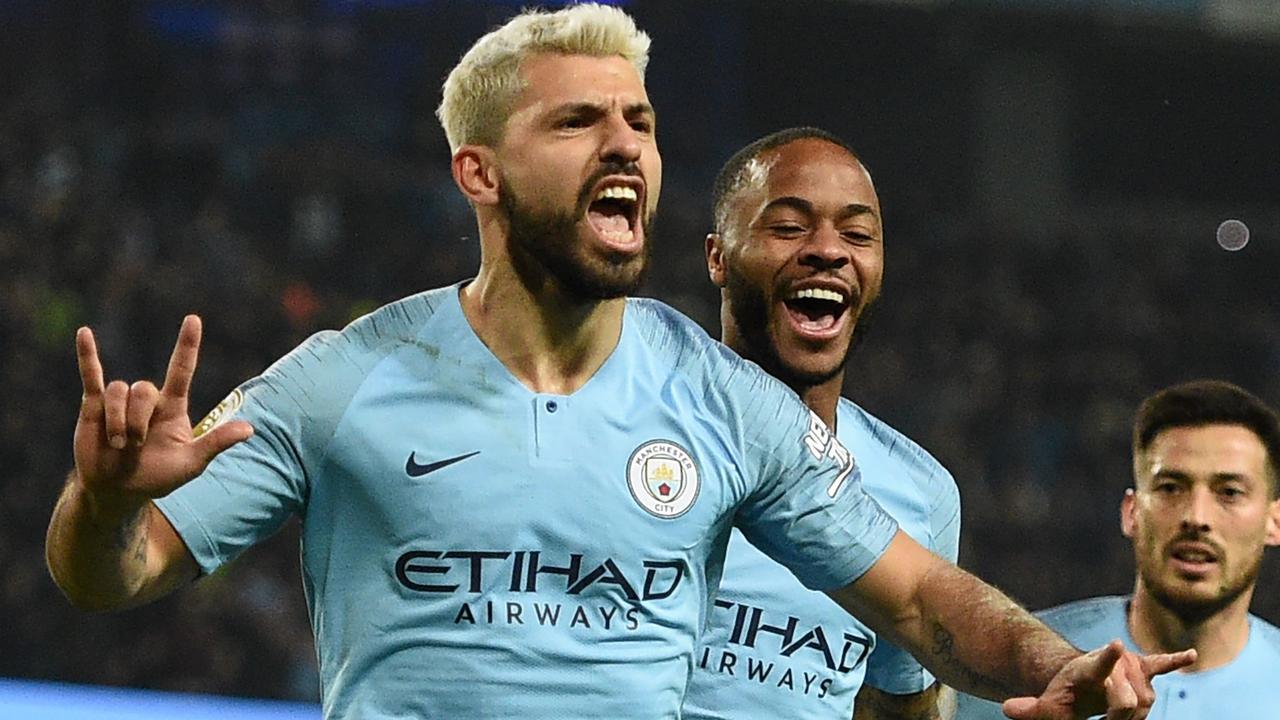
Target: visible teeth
<point>817,294</point>
<point>617,192</point>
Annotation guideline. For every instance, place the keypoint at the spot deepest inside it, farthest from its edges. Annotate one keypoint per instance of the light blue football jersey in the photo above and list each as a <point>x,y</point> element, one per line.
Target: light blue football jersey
<point>776,649</point>
<point>1243,689</point>
<point>472,549</point>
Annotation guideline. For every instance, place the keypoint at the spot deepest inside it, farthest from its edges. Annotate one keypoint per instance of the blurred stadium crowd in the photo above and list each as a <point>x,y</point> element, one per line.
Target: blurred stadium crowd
<point>275,167</point>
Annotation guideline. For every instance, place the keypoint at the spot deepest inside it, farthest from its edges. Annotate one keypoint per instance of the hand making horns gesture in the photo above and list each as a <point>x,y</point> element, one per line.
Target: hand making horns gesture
<point>136,439</point>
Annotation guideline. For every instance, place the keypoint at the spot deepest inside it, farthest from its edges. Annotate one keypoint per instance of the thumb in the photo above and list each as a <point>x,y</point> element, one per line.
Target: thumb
<point>1020,708</point>
<point>210,444</point>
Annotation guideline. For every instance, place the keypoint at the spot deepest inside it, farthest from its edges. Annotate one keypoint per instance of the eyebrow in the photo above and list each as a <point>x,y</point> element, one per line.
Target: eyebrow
<point>804,206</point>
<point>599,108</point>
<point>640,108</point>
<point>1215,477</point>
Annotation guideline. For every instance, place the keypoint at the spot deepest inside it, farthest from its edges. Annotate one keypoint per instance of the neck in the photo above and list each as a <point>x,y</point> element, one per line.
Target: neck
<point>1218,638</point>
<point>550,342</point>
<point>822,398</point>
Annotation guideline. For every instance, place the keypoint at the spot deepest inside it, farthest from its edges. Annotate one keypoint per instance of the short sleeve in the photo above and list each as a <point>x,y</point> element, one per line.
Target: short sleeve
<point>808,510</point>
<point>249,490</point>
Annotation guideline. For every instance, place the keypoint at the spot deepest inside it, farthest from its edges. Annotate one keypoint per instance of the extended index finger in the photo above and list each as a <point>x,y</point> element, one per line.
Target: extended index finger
<point>1167,662</point>
<point>182,364</point>
<point>87,359</point>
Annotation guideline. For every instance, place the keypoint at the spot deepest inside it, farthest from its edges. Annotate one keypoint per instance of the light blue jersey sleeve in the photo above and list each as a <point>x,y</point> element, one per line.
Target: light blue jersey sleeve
<point>919,492</point>
<point>249,490</point>
<point>808,510</point>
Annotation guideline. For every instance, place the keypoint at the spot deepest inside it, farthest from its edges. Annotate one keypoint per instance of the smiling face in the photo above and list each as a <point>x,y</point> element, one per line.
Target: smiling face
<point>580,175</point>
<point>1199,516</point>
<point>800,259</point>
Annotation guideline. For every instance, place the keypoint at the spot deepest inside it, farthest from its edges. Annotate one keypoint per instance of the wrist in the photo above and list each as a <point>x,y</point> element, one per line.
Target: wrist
<point>108,506</point>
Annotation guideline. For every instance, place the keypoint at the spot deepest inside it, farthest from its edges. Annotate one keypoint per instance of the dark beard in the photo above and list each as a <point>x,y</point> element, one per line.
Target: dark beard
<point>545,245</point>
<point>750,313</point>
<point>860,328</point>
<point>1196,611</point>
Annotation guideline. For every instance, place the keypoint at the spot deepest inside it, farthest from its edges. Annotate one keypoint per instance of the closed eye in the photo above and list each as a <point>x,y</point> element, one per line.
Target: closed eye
<point>787,230</point>
<point>576,122</point>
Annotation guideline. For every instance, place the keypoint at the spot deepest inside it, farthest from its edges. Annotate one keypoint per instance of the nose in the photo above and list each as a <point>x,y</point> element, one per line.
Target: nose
<point>622,143</point>
<point>825,249</point>
<point>1198,508</point>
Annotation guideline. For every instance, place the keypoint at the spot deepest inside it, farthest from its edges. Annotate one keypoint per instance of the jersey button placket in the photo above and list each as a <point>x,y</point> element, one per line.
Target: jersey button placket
<point>551,429</point>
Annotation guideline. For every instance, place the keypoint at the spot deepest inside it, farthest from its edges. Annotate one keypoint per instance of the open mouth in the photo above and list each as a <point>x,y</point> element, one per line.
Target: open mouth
<point>1193,558</point>
<point>817,312</point>
<point>614,214</point>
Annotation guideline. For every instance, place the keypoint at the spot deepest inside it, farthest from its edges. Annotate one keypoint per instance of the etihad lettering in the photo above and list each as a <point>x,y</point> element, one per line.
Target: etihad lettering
<point>524,571</point>
<point>787,638</point>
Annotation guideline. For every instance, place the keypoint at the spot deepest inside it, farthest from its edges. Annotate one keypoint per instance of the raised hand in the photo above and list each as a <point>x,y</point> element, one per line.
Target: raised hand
<point>136,440</point>
<point>1109,681</point>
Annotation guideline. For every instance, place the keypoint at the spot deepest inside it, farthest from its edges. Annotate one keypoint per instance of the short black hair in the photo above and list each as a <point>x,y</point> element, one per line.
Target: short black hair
<point>730,178</point>
<point>1210,402</point>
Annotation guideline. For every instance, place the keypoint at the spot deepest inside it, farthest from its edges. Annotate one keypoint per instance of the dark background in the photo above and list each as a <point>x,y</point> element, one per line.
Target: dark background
<point>1052,175</point>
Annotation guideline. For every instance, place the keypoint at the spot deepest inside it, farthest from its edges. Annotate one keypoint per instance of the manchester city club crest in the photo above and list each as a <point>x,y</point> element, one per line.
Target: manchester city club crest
<point>663,478</point>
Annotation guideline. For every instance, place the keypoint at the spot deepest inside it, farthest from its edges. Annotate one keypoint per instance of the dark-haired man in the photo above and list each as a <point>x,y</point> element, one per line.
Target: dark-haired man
<point>798,254</point>
<point>1203,507</point>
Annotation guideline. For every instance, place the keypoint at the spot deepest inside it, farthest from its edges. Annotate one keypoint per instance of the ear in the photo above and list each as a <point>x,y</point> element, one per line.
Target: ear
<point>715,259</point>
<point>1128,513</point>
<point>475,172</point>
<point>1273,523</point>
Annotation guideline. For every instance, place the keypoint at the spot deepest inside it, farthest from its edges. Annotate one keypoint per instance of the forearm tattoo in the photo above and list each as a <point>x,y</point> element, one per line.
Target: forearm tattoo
<point>943,648</point>
<point>132,535</point>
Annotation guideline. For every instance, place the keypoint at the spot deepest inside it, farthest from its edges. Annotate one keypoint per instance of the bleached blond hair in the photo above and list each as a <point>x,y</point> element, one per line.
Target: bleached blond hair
<point>481,90</point>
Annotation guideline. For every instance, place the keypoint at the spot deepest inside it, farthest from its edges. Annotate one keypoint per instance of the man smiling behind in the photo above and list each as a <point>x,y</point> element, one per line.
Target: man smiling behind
<point>798,252</point>
<point>1203,507</point>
